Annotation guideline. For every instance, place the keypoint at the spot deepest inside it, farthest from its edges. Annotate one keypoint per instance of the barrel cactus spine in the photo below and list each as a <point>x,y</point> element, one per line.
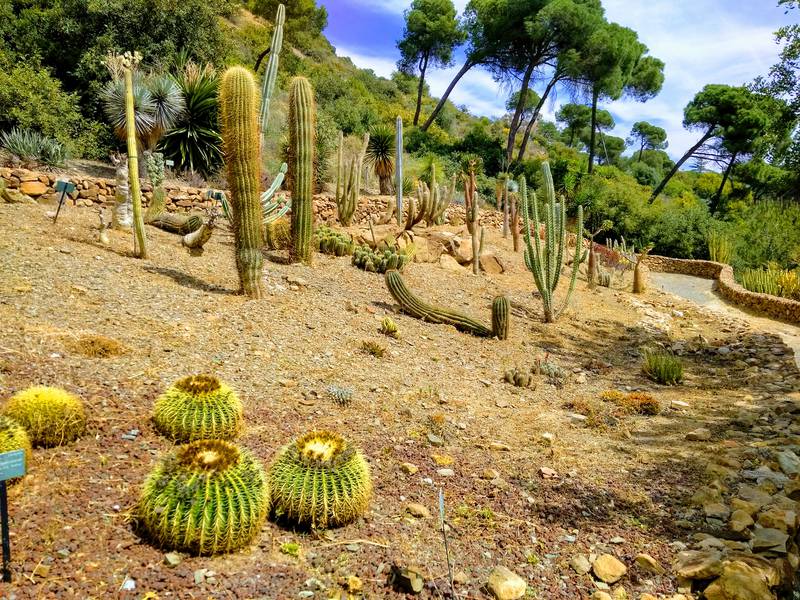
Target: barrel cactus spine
<point>302,126</point>
<point>239,103</point>
<point>320,480</point>
<point>206,497</point>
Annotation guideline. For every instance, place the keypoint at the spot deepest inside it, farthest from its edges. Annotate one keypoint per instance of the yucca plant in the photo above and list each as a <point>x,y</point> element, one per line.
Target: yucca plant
<point>380,154</point>
<point>663,367</point>
<point>194,142</point>
<point>320,480</point>
<point>50,415</point>
<point>207,497</point>
<point>198,407</point>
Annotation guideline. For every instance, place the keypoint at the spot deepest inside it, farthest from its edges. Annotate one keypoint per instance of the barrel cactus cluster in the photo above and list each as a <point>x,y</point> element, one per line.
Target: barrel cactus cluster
<point>320,480</point>
<point>328,241</point>
<point>207,497</point>
<point>198,407</point>
<point>50,416</point>
<point>379,262</point>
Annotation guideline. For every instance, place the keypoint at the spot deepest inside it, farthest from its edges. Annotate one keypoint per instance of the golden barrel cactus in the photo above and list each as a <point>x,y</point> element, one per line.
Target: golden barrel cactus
<point>14,437</point>
<point>50,415</point>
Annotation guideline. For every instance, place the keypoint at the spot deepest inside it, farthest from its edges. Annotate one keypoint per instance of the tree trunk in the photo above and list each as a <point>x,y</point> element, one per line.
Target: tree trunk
<point>679,164</point>
<point>571,136</point>
<point>423,66</point>
<point>595,95</point>
<point>385,184</point>
<point>718,196</point>
<point>515,122</point>
<point>467,66</point>
<point>641,151</point>
<point>535,116</point>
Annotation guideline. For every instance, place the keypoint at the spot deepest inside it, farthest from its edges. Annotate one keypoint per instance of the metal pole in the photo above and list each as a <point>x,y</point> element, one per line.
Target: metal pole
<point>6,541</point>
<point>60,203</point>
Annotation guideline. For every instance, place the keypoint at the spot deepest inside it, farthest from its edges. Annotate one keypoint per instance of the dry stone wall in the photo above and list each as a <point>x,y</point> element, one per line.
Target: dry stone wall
<point>773,306</point>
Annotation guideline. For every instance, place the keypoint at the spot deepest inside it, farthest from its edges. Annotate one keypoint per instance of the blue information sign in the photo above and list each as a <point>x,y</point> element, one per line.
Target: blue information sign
<point>12,465</point>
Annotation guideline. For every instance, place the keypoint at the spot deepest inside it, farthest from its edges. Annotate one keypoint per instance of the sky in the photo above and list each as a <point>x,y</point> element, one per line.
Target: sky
<point>701,41</point>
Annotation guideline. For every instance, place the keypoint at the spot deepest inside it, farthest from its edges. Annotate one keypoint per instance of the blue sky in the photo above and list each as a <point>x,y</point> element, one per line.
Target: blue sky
<point>701,41</point>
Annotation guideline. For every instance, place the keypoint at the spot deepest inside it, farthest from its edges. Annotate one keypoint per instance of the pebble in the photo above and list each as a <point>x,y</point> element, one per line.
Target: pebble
<point>504,584</point>
<point>435,440</point>
<point>699,435</point>
<point>409,468</point>
<point>647,563</point>
<point>418,510</point>
<point>172,559</point>
<point>580,564</point>
<point>445,472</point>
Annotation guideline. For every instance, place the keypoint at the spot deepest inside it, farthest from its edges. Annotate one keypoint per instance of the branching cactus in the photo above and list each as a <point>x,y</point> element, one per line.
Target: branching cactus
<point>239,103</point>
<point>545,259</point>
<point>302,125</point>
<point>348,182</point>
<point>415,307</point>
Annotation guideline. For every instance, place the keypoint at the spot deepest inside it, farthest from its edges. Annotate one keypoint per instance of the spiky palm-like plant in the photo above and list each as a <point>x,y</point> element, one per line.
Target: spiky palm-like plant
<point>50,415</point>
<point>194,142</point>
<point>380,154</point>
<point>320,480</point>
<point>198,407</point>
<point>207,497</point>
<point>14,437</point>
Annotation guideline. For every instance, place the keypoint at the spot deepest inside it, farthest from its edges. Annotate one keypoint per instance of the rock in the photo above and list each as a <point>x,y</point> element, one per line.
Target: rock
<point>740,521</point>
<point>776,518</point>
<point>647,597</point>
<point>548,473</point>
<point>408,579</point>
<point>448,263</point>
<point>580,564</point>
<point>491,264</point>
<point>739,581</point>
<point>617,540</point>
<point>435,440</point>
<point>698,564</point>
<point>748,507</point>
<point>754,495</point>
<point>608,568</point>
<point>499,446</point>
<point>418,510</point>
<point>647,563</point>
<point>172,559</point>
<point>505,584</point>
<point>792,489</point>
<point>769,540</point>
<point>698,435</point>
<point>445,472</point>
<point>717,510</point>
<point>33,188</point>
<point>409,468</point>
<point>789,462</point>
<point>601,595</point>
<point>15,197</point>
<point>490,474</point>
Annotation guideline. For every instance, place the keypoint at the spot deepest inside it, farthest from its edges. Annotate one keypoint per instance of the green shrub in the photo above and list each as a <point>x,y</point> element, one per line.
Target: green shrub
<point>663,367</point>
<point>772,280</point>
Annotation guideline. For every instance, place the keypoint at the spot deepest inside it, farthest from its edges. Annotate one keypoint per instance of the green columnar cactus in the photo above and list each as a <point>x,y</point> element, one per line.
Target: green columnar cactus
<point>238,100</point>
<point>546,260</point>
<point>412,305</point>
<point>155,172</point>
<point>320,480</point>
<point>271,73</point>
<point>472,214</point>
<point>328,241</point>
<point>501,309</point>
<point>198,407</point>
<point>398,169</point>
<point>51,416</point>
<point>207,497</point>
<point>348,182</point>
<point>302,129</point>
<point>130,61</point>
<point>14,437</point>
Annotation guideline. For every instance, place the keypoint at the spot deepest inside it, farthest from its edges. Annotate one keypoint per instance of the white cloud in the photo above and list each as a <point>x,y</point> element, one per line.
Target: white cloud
<point>399,6</point>
<point>382,65</point>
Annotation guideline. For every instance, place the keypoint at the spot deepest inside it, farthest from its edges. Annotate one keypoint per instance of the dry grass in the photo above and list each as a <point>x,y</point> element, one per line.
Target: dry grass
<point>95,346</point>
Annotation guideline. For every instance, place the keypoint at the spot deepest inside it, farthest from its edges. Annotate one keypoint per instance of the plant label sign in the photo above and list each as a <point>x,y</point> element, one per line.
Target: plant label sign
<point>64,188</point>
<point>12,465</point>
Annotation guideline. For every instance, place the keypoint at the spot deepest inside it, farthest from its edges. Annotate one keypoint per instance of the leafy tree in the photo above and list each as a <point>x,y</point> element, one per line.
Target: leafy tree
<point>733,115</point>
<point>612,149</point>
<point>648,137</point>
<point>574,117</point>
<point>604,122</point>
<point>431,34</point>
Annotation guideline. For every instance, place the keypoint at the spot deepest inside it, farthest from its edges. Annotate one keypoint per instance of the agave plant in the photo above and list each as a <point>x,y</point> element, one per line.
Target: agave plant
<point>31,147</point>
<point>380,154</point>
<point>194,142</point>
<point>158,103</point>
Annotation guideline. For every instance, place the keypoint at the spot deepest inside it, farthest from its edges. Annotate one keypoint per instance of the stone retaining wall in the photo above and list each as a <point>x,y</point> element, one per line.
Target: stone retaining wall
<point>779,308</point>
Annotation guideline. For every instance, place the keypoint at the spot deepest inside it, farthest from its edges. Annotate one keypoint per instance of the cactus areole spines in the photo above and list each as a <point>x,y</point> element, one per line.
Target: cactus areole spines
<point>239,105</point>
<point>302,118</point>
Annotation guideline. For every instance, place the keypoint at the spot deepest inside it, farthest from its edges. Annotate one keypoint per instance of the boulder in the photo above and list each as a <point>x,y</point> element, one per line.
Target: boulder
<point>739,581</point>
<point>698,564</point>
<point>448,263</point>
<point>491,264</point>
<point>504,584</point>
<point>608,568</point>
<point>33,188</point>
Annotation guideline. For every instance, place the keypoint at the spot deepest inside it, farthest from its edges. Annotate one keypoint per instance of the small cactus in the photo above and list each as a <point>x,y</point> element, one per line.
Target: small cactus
<point>373,349</point>
<point>320,480</point>
<point>328,241</point>
<point>500,311</point>
<point>198,407</point>
<point>207,497</point>
<point>278,234</point>
<point>379,261</point>
<point>340,395</point>
<point>389,328</point>
<point>518,377</point>
<point>50,415</point>
<point>14,437</point>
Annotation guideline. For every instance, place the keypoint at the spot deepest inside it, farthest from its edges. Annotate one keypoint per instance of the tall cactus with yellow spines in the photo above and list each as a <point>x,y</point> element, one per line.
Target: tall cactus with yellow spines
<point>129,62</point>
<point>546,260</point>
<point>302,128</point>
<point>271,74</point>
<point>239,109</point>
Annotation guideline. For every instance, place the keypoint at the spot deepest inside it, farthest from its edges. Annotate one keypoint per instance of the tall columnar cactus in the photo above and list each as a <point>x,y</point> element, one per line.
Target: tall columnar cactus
<point>320,480</point>
<point>239,102</point>
<point>545,260</point>
<point>198,407</point>
<point>471,210</point>
<point>398,169</point>
<point>415,307</point>
<point>348,182</point>
<point>129,63</point>
<point>270,75</point>
<point>207,497</point>
<point>640,271</point>
<point>302,131</point>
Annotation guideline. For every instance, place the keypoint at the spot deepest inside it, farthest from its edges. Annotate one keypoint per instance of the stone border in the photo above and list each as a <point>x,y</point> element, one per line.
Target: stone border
<point>773,306</point>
